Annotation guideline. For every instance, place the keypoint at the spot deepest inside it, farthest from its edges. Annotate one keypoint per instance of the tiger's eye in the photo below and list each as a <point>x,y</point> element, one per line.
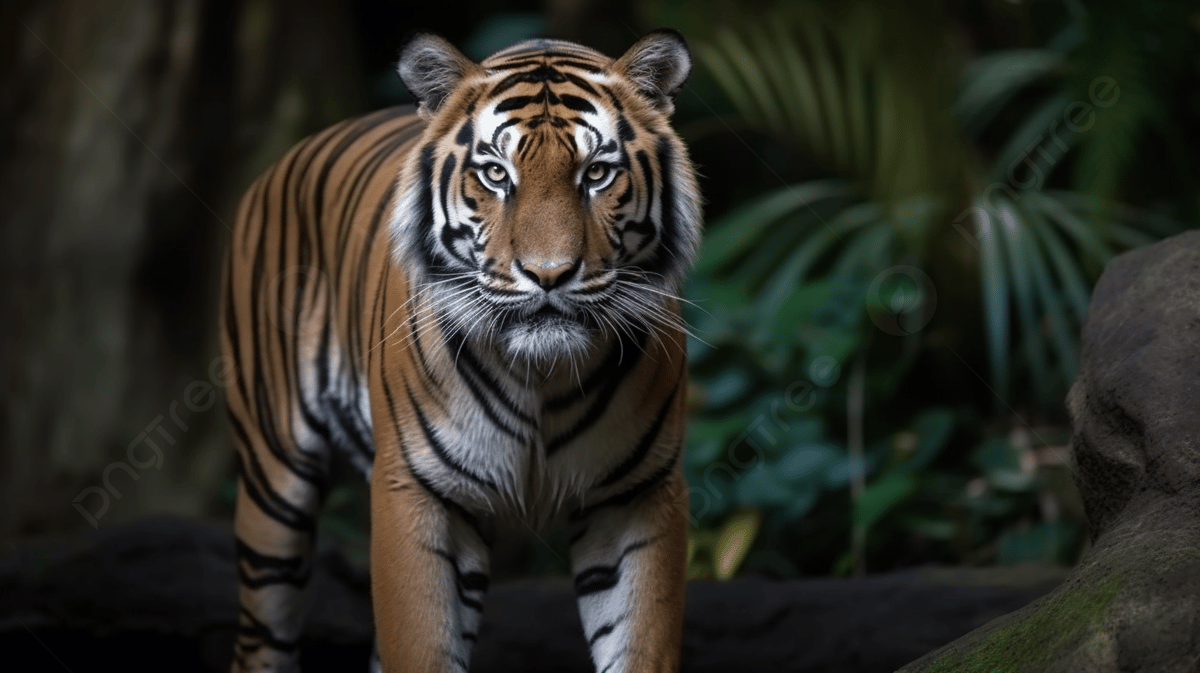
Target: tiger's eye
<point>495,173</point>
<point>596,172</point>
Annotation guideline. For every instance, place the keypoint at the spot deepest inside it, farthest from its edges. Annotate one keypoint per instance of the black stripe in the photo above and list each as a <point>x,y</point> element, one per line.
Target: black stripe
<point>402,137</point>
<point>356,131</point>
<point>231,332</point>
<point>465,361</point>
<point>464,582</point>
<point>271,570</point>
<point>270,502</point>
<point>299,465</point>
<point>602,399</point>
<point>516,65</point>
<point>625,130</point>
<point>635,458</point>
<point>612,97</point>
<point>596,579</point>
<point>432,382</point>
<point>418,234</point>
<point>541,73</point>
<point>356,182</point>
<point>604,370</point>
<point>486,404</point>
<point>485,533</point>
<point>625,497</point>
<point>668,230</point>
<point>580,82</point>
<point>518,102</point>
<point>576,103</point>
<point>466,135</point>
<point>604,631</point>
<point>260,631</point>
<point>578,65</point>
<point>440,450</point>
<point>450,232</point>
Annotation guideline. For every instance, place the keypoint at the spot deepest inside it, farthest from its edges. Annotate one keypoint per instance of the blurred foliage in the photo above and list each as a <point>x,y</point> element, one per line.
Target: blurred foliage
<point>905,133</point>
<point>907,209</point>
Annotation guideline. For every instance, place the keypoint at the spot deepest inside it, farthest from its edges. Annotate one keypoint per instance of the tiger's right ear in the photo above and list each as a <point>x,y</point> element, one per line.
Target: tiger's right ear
<point>431,68</point>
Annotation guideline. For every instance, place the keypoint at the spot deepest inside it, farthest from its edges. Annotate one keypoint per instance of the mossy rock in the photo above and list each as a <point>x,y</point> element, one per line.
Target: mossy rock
<point>1133,604</point>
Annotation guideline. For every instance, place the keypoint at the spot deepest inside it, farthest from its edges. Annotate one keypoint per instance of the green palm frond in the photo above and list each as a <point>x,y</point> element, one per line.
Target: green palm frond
<point>1125,70</point>
<point>831,87</point>
<point>1037,254</point>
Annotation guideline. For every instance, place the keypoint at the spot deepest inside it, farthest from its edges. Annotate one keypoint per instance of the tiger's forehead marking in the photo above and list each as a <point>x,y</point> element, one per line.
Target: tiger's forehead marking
<point>548,82</point>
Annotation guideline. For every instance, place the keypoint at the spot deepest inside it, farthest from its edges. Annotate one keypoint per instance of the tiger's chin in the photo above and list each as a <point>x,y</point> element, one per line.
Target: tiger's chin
<point>546,340</point>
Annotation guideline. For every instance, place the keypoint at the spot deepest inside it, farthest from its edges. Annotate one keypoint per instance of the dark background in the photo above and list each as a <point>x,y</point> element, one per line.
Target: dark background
<point>1003,150</point>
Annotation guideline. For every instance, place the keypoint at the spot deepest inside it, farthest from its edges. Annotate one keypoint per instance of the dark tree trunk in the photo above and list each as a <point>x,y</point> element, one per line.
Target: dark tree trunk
<point>130,128</point>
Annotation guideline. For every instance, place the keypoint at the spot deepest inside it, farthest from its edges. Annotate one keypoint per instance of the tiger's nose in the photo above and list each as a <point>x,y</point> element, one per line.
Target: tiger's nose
<point>549,277</point>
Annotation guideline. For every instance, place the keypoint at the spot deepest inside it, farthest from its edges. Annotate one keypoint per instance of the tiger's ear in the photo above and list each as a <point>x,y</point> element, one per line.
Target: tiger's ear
<point>658,65</point>
<point>431,68</point>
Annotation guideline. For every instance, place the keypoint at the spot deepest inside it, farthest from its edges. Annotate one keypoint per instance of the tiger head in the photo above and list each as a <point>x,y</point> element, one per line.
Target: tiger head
<point>549,203</point>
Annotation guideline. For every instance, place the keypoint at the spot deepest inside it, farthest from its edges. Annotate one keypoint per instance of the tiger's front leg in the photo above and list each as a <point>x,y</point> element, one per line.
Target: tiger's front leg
<point>429,565</point>
<point>629,563</point>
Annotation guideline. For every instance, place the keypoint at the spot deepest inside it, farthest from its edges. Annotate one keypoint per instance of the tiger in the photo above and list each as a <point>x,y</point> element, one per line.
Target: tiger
<point>476,302</point>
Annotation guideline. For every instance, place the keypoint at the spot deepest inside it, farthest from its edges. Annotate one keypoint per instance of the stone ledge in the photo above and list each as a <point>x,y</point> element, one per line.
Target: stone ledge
<point>131,596</point>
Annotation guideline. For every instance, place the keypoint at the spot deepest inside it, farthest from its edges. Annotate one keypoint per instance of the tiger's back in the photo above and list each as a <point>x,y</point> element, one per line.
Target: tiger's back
<point>309,245</point>
<point>474,305</point>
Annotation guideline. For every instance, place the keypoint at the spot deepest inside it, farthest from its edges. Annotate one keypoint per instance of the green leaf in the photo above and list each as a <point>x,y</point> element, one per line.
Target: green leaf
<point>932,528</point>
<point>1129,236</point>
<point>1084,234</point>
<point>824,66</point>
<point>758,94</point>
<point>757,265</point>
<point>990,81</point>
<point>835,343</point>
<point>734,234</point>
<point>760,486</point>
<point>881,496</point>
<point>933,429</point>
<point>781,286</point>
<point>1018,249</point>
<point>807,119</point>
<point>1061,333</point>
<point>994,284</point>
<point>838,475</point>
<point>806,463</point>
<point>801,307</point>
<point>1065,266</point>
<point>701,452</point>
<point>724,71</point>
<point>728,386</point>
<point>1015,481</point>
<point>995,453</point>
<point>804,498</point>
<point>701,429</point>
<point>734,540</point>
<point>867,251</point>
<point>1034,148</point>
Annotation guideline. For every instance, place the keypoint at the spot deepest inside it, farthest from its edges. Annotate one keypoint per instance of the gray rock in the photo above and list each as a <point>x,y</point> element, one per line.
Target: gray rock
<point>1133,603</point>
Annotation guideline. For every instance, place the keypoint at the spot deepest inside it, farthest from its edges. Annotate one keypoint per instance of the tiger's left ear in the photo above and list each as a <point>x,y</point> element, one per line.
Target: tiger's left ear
<point>658,65</point>
<point>431,68</point>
